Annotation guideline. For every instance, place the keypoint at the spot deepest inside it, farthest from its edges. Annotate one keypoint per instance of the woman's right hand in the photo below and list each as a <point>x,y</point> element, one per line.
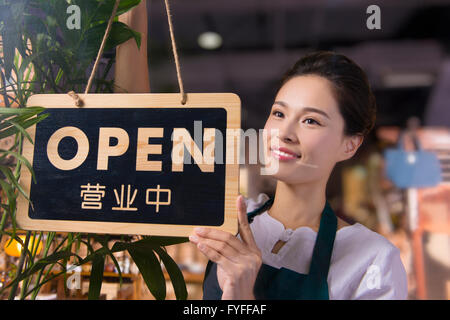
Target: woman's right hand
<point>238,261</point>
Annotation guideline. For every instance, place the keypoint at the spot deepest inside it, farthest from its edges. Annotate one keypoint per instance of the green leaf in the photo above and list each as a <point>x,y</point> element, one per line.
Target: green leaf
<point>9,38</point>
<point>164,241</point>
<point>120,246</point>
<point>23,159</point>
<point>149,243</point>
<point>41,264</point>
<point>150,269</point>
<point>176,276</point>
<point>96,278</point>
<point>105,10</point>
<point>17,118</point>
<point>32,110</point>
<point>119,34</point>
<point>7,172</point>
<point>19,127</point>
<point>116,263</point>
<point>13,130</point>
<point>102,251</point>
<point>11,200</point>
<point>103,240</point>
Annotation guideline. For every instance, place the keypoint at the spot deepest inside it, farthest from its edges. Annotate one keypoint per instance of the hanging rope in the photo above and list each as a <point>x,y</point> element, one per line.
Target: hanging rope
<point>77,100</point>
<point>102,46</point>
<point>175,54</point>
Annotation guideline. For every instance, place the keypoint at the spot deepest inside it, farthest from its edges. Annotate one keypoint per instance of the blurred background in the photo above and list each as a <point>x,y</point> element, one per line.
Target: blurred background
<point>245,47</point>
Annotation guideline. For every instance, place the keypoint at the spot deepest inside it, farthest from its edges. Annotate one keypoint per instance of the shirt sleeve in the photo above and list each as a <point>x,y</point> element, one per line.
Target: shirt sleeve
<point>384,279</point>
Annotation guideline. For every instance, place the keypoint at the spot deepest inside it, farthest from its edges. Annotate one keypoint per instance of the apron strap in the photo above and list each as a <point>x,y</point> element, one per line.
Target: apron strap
<point>323,248</point>
<point>264,207</point>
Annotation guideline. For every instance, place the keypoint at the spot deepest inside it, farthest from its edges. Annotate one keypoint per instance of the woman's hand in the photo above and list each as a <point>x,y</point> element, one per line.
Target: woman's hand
<point>238,262</point>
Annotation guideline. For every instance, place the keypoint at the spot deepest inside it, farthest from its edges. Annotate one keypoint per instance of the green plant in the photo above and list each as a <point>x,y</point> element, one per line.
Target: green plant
<point>39,54</point>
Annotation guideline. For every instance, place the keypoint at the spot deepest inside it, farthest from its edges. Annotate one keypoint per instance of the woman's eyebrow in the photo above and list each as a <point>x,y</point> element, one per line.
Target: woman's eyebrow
<point>304,109</point>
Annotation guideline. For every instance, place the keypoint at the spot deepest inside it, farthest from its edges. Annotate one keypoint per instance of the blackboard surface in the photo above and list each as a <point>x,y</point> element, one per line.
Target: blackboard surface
<point>192,186</point>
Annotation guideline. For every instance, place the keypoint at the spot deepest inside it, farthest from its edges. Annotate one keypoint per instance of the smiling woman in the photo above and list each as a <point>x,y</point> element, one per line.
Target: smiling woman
<point>293,246</point>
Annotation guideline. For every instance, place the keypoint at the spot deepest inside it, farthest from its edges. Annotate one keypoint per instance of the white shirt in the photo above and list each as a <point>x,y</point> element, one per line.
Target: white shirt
<point>364,264</point>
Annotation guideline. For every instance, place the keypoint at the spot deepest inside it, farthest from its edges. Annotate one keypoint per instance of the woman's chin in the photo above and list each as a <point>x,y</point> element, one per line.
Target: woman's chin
<point>287,175</point>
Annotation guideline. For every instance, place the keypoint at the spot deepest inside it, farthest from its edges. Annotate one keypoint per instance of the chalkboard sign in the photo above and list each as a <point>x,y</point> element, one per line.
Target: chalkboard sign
<point>132,164</point>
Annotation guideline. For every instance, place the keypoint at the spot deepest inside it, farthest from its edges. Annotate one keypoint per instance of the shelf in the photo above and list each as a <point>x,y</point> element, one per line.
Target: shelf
<point>189,277</point>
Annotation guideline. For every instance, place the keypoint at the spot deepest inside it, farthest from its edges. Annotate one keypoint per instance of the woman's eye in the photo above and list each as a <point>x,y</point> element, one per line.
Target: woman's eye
<point>311,121</point>
<point>278,114</point>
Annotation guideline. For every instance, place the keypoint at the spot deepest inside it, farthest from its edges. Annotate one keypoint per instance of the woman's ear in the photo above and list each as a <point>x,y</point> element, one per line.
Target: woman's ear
<point>349,146</point>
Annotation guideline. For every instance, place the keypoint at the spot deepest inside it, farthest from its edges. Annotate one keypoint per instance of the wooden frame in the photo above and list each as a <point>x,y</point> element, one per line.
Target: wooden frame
<point>228,101</point>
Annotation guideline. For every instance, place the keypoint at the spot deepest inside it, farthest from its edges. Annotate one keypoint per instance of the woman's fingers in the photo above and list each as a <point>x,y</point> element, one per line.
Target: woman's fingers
<point>223,236</point>
<point>224,242</point>
<point>220,246</point>
<point>215,256</point>
<point>244,227</point>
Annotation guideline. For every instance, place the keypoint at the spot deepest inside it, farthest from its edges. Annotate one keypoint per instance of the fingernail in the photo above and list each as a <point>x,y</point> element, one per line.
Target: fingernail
<point>199,230</point>
<point>193,238</point>
<point>201,246</point>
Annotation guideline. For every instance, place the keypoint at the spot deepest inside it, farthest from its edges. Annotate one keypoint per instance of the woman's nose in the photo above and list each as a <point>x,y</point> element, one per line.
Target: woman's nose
<point>287,133</point>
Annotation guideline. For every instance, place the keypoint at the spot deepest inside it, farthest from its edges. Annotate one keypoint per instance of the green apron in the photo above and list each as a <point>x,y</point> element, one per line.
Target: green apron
<point>273,283</point>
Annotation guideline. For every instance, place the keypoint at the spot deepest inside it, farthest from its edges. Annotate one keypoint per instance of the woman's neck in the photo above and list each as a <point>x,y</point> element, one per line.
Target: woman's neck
<point>299,205</point>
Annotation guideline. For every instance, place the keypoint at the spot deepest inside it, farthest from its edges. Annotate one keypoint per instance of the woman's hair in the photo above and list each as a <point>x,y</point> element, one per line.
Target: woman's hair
<point>351,88</point>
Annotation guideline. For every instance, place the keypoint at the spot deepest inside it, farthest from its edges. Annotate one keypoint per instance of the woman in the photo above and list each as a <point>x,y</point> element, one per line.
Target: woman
<point>295,247</point>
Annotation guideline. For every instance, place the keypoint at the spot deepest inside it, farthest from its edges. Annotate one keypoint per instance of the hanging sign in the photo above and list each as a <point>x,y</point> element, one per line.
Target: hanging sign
<point>132,164</point>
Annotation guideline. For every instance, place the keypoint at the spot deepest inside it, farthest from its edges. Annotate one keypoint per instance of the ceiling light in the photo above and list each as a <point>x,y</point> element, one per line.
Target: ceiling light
<point>209,40</point>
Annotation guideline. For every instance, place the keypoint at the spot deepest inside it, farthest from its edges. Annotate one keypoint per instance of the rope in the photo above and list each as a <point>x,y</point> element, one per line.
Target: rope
<point>175,54</point>
<point>77,100</point>
<point>102,46</point>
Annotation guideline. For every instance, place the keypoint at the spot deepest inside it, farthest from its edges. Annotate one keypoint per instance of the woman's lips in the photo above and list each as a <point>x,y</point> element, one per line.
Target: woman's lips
<point>284,154</point>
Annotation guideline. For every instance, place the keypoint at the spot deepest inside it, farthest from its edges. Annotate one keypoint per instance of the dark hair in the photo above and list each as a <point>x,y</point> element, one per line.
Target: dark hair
<point>351,88</point>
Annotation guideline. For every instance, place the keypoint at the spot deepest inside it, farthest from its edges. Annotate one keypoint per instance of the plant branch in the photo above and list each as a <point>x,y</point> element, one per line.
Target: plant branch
<point>13,291</point>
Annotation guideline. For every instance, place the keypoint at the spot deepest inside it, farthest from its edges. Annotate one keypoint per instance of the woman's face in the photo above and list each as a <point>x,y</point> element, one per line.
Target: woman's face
<point>309,137</point>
